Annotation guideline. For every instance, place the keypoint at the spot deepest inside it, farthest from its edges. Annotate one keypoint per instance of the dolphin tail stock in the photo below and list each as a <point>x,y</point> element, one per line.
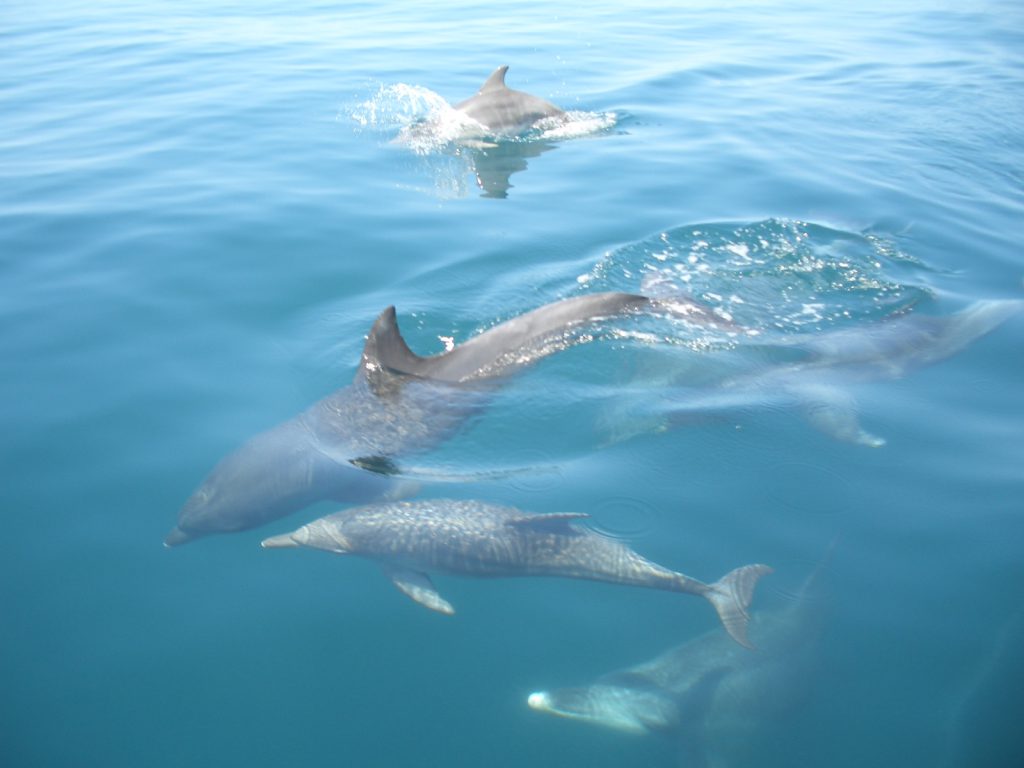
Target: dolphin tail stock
<point>731,596</point>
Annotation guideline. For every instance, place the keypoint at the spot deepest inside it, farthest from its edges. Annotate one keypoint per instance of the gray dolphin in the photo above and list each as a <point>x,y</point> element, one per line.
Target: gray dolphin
<point>711,697</point>
<point>887,350</point>
<point>399,403</point>
<point>504,111</point>
<point>494,112</point>
<point>472,538</point>
<point>813,373</point>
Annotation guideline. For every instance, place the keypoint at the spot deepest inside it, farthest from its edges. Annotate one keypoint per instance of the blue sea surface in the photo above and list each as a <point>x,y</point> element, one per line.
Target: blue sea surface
<point>203,209</point>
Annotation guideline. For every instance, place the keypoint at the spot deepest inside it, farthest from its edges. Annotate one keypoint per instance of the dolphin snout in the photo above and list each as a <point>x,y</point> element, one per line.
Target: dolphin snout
<point>539,700</point>
<point>176,537</point>
<point>284,540</point>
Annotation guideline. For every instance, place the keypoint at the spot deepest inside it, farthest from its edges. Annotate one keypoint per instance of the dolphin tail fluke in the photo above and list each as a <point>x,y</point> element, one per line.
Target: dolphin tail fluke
<point>731,596</point>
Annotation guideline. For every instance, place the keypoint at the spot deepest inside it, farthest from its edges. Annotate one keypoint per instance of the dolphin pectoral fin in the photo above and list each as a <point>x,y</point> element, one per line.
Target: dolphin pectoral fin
<point>420,588</point>
<point>731,596</point>
<point>834,412</point>
<point>558,522</point>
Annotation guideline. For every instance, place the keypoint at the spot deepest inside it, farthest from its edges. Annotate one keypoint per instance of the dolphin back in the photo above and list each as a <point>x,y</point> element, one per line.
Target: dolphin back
<point>504,111</point>
<point>498,351</point>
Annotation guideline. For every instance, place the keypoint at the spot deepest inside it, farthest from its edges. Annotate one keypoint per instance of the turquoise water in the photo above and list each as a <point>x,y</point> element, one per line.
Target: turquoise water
<point>202,211</point>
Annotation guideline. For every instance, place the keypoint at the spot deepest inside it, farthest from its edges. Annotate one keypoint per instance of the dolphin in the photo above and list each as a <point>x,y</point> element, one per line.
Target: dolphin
<point>399,403</point>
<point>813,373</point>
<point>473,538</point>
<point>888,350</point>
<point>503,111</point>
<point>709,696</point>
<point>494,112</point>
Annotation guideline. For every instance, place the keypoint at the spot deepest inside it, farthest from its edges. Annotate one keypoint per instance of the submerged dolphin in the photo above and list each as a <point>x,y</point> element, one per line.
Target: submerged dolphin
<point>471,538</point>
<point>888,350</point>
<point>813,373</point>
<point>711,697</point>
<point>399,403</point>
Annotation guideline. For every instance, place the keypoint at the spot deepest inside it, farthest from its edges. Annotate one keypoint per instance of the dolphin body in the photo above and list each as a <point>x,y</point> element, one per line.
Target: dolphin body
<point>812,374</point>
<point>889,350</point>
<point>494,112</point>
<point>710,697</point>
<point>472,538</point>
<point>399,403</point>
<point>504,111</point>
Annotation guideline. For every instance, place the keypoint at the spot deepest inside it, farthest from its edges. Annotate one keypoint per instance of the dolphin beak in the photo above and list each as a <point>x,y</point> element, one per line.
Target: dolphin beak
<point>277,542</point>
<point>176,537</point>
<point>540,701</point>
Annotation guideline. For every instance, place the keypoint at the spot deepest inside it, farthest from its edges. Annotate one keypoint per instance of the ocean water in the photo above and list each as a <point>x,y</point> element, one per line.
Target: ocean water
<point>202,210</point>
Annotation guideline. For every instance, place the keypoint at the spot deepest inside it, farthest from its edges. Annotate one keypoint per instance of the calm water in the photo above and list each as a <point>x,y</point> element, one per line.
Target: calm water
<point>202,212</point>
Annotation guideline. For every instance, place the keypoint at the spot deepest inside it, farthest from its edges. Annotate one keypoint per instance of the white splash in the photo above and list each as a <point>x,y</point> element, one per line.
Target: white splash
<point>397,106</point>
<point>575,124</point>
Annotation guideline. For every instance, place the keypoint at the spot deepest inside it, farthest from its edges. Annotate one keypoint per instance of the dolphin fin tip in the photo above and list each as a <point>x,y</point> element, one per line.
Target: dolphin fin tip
<point>496,81</point>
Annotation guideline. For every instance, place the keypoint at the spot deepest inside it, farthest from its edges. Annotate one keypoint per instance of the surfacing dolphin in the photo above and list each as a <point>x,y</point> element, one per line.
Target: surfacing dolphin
<point>504,111</point>
<point>494,112</point>
<point>399,403</point>
<point>713,699</point>
<point>472,538</point>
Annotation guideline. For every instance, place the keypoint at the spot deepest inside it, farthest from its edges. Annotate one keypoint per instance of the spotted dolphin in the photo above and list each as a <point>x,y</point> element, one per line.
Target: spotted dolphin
<point>399,403</point>
<point>711,698</point>
<point>473,538</point>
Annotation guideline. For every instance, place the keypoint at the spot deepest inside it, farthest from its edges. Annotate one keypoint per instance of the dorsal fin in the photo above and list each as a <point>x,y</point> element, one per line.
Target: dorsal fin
<point>496,81</point>
<point>385,349</point>
<point>558,522</point>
